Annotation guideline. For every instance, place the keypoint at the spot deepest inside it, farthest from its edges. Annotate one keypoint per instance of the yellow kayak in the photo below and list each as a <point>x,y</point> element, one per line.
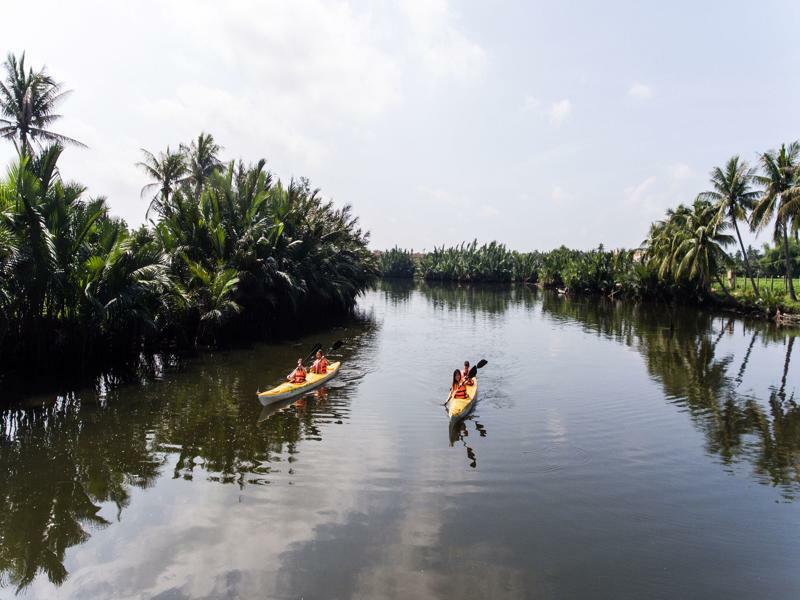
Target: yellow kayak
<point>289,390</point>
<point>458,408</point>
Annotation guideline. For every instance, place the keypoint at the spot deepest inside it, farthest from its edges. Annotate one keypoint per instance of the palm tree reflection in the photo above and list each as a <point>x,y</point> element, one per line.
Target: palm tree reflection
<point>459,433</point>
<point>684,358</point>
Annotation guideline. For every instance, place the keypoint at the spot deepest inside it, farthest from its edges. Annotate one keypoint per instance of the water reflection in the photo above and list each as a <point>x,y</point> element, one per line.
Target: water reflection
<point>385,498</point>
<point>493,300</point>
<point>59,464</point>
<point>681,351</point>
<point>459,434</point>
<point>397,291</point>
<point>64,460</point>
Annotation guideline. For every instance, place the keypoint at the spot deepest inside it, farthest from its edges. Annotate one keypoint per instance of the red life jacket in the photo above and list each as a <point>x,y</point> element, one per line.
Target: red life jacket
<point>299,376</point>
<point>320,366</point>
<point>461,391</point>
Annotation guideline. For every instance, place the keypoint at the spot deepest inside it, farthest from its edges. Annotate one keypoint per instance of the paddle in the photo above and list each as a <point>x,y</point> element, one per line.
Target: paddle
<point>317,347</point>
<point>474,370</point>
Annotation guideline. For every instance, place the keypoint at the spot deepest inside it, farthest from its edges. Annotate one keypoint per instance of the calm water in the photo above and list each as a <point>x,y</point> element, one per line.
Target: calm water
<point>616,451</point>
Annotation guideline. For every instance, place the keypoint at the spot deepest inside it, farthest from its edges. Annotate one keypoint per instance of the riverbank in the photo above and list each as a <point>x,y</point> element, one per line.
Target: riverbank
<point>230,255</point>
<point>630,274</point>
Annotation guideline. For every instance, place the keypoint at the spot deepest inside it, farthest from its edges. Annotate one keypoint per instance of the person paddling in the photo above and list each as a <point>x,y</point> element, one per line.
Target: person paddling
<point>320,365</point>
<point>459,387</point>
<point>465,374</point>
<point>299,373</point>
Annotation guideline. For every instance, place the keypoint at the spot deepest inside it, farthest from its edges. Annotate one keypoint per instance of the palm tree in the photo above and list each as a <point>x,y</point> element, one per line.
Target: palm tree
<point>202,160</point>
<point>781,181</point>
<point>27,106</point>
<point>121,285</point>
<point>213,291</point>
<point>663,241</point>
<point>701,252</point>
<point>168,170</point>
<point>734,197</point>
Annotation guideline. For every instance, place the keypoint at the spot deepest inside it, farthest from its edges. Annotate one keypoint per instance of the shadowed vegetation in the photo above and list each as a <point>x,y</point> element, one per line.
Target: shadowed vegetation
<point>397,263</point>
<point>229,253</point>
<point>66,461</point>
<point>233,262</point>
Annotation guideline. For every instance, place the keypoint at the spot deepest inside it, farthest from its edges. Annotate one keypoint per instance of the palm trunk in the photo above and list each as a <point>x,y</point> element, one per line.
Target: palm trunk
<point>788,262</point>
<point>740,375</point>
<point>719,337</point>
<point>744,255</point>
<point>782,391</point>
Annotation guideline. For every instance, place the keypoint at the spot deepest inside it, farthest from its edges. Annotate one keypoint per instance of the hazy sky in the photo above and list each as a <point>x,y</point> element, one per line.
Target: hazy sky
<point>534,123</point>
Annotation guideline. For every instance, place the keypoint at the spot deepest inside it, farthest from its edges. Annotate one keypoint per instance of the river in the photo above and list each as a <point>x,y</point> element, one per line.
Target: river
<point>617,450</point>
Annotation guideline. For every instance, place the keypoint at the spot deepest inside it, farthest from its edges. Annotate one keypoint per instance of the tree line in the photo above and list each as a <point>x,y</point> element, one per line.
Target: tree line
<point>684,256</point>
<point>229,251</point>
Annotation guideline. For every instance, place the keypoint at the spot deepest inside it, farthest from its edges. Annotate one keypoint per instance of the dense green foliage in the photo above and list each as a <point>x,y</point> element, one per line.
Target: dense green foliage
<point>779,204</point>
<point>688,247</point>
<point>733,196</point>
<point>491,262</point>
<point>234,256</point>
<point>685,256</point>
<point>770,262</point>
<point>595,271</point>
<point>397,262</point>
<point>230,252</point>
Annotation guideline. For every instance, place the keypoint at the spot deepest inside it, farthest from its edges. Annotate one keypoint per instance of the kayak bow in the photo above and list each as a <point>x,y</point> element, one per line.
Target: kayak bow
<point>458,408</point>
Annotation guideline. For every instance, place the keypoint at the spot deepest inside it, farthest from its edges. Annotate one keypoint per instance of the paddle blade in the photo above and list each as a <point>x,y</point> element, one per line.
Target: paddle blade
<point>482,363</point>
<point>472,372</point>
<point>336,345</point>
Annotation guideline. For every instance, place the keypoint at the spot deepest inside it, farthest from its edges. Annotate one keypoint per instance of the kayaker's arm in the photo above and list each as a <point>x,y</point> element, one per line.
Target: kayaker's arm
<point>449,396</point>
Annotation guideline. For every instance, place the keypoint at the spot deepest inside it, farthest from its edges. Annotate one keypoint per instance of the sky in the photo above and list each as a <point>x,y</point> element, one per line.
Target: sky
<point>533,123</point>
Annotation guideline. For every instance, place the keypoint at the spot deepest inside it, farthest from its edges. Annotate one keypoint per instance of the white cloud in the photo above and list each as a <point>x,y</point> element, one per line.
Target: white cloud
<point>196,105</point>
<point>673,185</point>
<point>640,91</point>
<point>559,111</point>
<point>299,82</point>
<point>556,112</point>
<point>648,200</point>
<point>443,49</point>
<point>531,104</point>
<point>642,192</point>
<point>340,67</point>
<point>680,171</point>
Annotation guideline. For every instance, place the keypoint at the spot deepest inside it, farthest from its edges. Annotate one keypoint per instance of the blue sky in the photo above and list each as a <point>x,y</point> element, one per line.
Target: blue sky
<point>533,123</point>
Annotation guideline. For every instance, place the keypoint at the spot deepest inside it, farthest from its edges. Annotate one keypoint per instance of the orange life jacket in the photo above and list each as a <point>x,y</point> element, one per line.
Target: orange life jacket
<point>299,376</point>
<point>461,391</point>
<point>320,366</point>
